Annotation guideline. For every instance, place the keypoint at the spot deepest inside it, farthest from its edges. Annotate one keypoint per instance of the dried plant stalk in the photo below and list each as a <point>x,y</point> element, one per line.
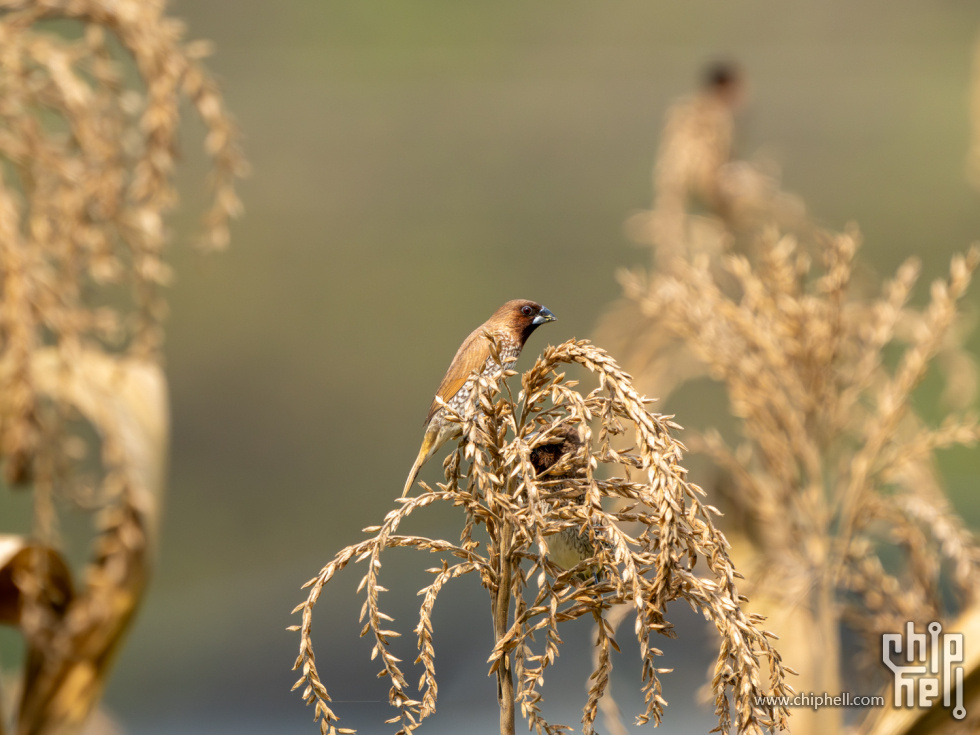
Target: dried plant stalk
<point>492,477</point>
<point>89,110</point>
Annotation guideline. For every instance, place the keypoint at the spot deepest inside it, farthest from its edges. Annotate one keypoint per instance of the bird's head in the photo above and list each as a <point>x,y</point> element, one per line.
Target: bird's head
<point>725,80</point>
<point>563,441</point>
<point>522,317</point>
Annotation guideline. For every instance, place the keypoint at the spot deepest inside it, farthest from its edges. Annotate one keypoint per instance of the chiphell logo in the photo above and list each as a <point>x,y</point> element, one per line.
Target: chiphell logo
<point>929,668</point>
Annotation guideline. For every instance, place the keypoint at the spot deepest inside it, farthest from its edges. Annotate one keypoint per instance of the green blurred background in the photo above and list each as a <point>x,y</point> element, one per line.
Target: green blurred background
<point>415,164</point>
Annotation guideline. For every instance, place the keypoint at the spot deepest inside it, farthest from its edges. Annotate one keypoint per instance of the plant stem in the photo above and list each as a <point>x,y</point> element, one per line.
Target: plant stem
<point>827,657</point>
<point>501,615</point>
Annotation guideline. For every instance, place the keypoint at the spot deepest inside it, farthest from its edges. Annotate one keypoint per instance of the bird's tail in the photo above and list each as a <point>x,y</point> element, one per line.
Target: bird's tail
<point>427,449</point>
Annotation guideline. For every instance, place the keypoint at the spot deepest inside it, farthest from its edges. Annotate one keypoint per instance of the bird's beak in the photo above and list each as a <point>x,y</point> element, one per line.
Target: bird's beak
<point>543,316</point>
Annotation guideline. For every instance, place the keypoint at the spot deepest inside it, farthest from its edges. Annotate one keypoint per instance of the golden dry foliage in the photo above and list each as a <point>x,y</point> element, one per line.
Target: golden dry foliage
<point>89,108</point>
<point>677,554</point>
<point>843,516</point>
<point>834,465</point>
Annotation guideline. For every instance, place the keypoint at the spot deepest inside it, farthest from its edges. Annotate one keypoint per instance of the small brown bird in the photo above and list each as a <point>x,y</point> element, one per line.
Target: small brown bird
<point>570,546</point>
<point>510,325</point>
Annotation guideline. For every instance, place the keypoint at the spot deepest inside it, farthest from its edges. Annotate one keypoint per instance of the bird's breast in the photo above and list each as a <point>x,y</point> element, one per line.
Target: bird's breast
<point>509,352</point>
<point>569,546</point>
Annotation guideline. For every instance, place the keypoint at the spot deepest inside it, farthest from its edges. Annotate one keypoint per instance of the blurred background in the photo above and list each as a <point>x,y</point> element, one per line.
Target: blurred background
<point>414,166</point>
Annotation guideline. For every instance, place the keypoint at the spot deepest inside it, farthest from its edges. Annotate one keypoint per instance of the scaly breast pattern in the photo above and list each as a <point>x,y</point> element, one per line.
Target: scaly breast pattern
<point>509,352</point>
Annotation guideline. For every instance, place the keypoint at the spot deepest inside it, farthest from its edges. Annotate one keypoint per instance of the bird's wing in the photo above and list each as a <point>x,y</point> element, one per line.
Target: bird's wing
<point>471,356</point>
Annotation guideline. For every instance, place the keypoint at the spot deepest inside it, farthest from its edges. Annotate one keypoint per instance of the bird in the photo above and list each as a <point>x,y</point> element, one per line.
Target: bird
<point>572,545</point>
<point>510,326</point>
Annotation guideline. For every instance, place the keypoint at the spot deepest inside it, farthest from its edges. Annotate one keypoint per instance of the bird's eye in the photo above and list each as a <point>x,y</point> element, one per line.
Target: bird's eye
<point>526,310</point>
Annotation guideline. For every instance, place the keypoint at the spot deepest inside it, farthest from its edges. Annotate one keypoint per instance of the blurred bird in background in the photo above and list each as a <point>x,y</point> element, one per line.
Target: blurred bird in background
<point>697,139</point>
<point>696,171</point>
<point>510,326</point>
<point>695,146</point>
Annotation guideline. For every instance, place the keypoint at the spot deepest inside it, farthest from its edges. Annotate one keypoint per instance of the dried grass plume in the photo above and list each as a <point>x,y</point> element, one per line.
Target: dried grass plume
<point>676,553</point>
